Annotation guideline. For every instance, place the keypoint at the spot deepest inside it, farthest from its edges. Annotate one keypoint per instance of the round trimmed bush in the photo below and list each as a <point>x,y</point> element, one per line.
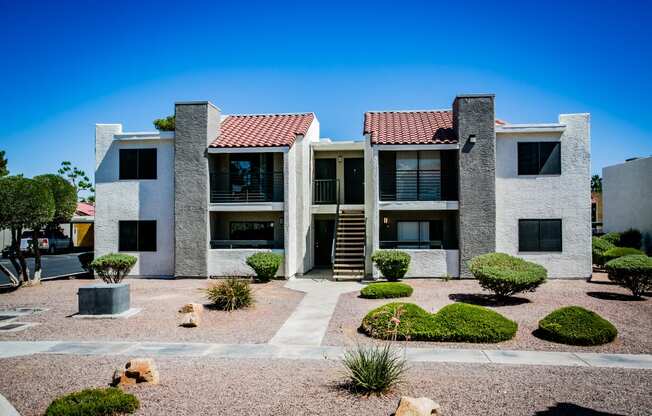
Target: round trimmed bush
<point>612,237</point>
<point>598,247</point>
<point>574,325</point>
<point>633,272</point>
<point>94,402</point>
<point>458,322</point>
<point>506,275</point>
<point>393,264</point>
<point>386,290</point>
<point>265,265</point>
<point>631,238</point>
<point>230,294</point>
<point>112,267</point>
<point>616,252</point>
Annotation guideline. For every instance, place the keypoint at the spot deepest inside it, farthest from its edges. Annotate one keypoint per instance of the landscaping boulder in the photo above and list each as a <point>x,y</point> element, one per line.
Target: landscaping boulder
<point>191,314</point>
<point>423,406</point>
<point>139,370</point>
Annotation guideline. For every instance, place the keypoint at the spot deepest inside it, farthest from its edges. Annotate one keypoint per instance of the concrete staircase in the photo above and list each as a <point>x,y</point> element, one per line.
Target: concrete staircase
<point>350,237</point>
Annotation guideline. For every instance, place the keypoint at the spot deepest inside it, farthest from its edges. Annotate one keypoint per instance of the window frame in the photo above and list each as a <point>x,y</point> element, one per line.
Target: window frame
<point>273,229</point>
<point>540,163</point>
<point>138,176</point>
<point>538,240</point>
<point>150,248</point>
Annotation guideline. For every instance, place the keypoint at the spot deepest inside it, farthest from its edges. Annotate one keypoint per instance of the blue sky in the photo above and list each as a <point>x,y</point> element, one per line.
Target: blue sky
<point>68,65</point>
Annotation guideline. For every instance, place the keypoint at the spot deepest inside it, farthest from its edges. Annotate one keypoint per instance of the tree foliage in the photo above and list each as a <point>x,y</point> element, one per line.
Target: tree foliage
<point>596,184</point>
<point>4,170</point>
<point>165,124</point>
<point>65,197</point>
<point>78,179</point>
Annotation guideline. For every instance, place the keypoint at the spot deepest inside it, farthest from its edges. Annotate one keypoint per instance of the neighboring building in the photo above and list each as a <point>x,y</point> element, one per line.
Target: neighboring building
<point>444,185</point>
<point>627,197</point>
<point>82,234</point>
<point>596,212</point>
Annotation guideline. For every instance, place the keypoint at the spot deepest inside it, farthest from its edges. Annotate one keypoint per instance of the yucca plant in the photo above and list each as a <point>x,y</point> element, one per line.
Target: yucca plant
<point>230,294</point>
<point>374,369</point>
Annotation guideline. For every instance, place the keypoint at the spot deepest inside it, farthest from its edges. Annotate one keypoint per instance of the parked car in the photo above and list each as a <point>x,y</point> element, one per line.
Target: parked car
<point>48,241</point>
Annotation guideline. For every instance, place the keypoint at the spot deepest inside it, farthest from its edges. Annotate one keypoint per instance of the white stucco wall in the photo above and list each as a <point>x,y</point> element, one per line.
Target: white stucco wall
<point>627,197</point>
<point>433,263</point>
<point>232,263</point>
<point>565,196</point>
<point>118,200</point>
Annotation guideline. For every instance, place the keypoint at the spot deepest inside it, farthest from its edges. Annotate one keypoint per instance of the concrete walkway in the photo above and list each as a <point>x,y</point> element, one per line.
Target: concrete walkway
<point>6,409</point>
<point>303,352</point>
<point>308,323</point>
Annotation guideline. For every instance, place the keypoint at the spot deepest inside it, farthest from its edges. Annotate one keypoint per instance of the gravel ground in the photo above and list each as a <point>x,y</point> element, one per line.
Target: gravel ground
<point>158,321</point>
<point>281,387</point>
<point>631,317</point>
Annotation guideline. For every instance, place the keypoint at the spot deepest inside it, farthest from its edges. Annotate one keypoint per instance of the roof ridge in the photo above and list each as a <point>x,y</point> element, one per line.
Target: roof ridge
<point>437,110</point>
<point>270,114</point>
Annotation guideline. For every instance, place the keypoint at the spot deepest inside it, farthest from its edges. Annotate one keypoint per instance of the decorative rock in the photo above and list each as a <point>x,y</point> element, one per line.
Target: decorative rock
<point>423,406</point>
<point>191,314</point>
<point>192,307</point>
<point>139,370</point>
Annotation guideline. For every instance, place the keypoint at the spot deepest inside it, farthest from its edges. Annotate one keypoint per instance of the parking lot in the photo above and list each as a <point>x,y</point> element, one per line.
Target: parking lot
<point>54,265</point>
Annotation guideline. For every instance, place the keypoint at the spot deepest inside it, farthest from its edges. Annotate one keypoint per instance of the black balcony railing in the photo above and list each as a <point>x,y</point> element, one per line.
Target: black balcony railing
<point>247,187</point>
<point>414,245</point>
<point>410,185</point>
<point>235,244</point>
<point>325,191</point>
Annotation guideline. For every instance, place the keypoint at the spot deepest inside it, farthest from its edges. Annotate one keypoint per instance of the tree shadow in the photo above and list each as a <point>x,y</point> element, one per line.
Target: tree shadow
<point>614,296</point>
<point>571,409</point>
<point>482,299</point>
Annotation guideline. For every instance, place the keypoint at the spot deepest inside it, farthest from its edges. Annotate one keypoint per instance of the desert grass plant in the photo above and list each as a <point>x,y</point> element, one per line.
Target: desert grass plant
<point>94,402</point>
<point>632,272</point>
<point>374,369</point>
<point>458,322</point>
<point>574,325</point>
<point>112,267</point>
<point>265,265</point>
<point>617,252</point>
<point>230,294</point>
<point>598,247</point>
<point>386,290</point>
<point>507,275</point>
<point>393,264</point>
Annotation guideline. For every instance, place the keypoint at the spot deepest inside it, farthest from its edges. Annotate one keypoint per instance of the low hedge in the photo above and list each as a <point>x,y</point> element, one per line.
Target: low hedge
<point>85,260</point>
<point>94,402</point>
<point>632,272</point>
<point>386,290</point>
<point>507,275</point>
<point>612,237</point>
<point>598,247</point>
<point>458,322</point>
<point>616,252</point>
<point>574,325</point>
<point>393,264</point>
<point>112,267</point>
<point>265,265</point>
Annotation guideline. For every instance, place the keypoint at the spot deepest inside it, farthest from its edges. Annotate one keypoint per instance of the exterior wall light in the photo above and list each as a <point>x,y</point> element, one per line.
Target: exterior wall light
<point>472,138</point>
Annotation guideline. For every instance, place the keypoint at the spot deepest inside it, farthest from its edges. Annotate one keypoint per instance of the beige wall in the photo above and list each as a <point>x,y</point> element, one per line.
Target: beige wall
<point>339,166</point>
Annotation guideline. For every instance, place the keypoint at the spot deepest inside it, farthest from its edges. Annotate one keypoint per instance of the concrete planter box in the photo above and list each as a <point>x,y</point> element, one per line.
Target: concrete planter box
<point>104,299</point>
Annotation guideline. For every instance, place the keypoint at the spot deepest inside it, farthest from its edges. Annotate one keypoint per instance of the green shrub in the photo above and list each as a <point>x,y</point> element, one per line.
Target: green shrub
<point>85,259</point>
<point>616,252</point>
<point>506,275</point>
<point>165,124</point>
<point>632,272</point>
<point>598,247</point>
<point>393,264</point>
<point>374,369</point>
<point>574,325</point>
<point>112,267</point>
<point>94,402</point>
<point>230,294</point>
<point>386,290</point>
<point>265,265</point>
<point>631,238</point>
<point>458,322</point>
<point>612,237</point>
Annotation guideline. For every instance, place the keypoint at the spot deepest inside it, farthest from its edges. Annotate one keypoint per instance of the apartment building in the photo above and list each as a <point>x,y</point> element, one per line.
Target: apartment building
<point>443,185</point>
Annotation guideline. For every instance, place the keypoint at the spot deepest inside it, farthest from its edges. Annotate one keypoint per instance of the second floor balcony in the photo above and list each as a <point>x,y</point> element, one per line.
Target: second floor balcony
<point>246,187</point>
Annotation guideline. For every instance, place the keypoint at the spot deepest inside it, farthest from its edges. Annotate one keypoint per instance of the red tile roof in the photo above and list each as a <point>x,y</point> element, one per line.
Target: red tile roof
<point>85,209</point>
<point>262,130</point>
<point>410,127</point>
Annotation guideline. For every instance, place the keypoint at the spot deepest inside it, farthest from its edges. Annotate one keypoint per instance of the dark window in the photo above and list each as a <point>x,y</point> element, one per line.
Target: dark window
<point>137,163</point>
<point>137,236</point>
<point>252,230</point>
<point>539,158</point>
<point>539,235</point>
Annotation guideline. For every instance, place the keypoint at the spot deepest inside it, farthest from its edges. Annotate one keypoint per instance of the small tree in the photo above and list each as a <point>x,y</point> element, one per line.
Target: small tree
<point>112,267</point>
<point>4,170</point>
<point>24,203</point>
<point>596,184</point>
<point>165,124</point>
<point>78,179</point>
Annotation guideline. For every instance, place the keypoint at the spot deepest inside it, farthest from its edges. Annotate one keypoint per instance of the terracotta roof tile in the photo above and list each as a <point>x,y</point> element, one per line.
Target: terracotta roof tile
<point>410,127</point>
<point>262,130</point>
<point>85,209</point>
